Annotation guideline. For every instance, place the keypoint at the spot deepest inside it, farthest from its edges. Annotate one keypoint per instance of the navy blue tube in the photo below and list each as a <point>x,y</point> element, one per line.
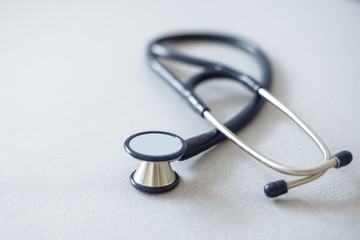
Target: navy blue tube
<point>159,49</point>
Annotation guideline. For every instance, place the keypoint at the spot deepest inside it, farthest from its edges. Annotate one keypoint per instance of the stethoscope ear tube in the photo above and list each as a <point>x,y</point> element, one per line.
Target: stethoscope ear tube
<point>274,189</point>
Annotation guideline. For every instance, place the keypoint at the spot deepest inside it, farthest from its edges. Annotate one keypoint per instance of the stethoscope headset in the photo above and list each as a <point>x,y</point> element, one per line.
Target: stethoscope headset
<point>157,149</point>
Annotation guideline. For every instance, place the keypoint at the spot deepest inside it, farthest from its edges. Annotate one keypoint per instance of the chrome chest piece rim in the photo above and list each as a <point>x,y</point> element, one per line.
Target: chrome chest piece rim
<point>156,150</point>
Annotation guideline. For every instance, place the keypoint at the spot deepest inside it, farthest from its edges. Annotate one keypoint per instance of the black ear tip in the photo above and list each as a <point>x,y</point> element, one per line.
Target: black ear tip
<point>344,158</point>
<point>275,189</point>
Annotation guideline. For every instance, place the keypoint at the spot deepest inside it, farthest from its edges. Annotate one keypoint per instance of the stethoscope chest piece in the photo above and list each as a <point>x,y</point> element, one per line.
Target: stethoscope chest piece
<point>156,150</point>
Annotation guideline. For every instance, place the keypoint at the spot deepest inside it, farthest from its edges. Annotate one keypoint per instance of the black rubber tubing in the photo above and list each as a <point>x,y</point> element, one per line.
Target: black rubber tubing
<point>159,48</point>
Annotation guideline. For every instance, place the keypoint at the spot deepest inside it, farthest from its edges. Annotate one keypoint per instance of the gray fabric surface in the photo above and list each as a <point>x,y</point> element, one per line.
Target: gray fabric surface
<point>74,85</point>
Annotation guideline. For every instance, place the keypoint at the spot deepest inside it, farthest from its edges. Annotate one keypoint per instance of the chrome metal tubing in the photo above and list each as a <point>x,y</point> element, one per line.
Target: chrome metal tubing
<point>309,173</point>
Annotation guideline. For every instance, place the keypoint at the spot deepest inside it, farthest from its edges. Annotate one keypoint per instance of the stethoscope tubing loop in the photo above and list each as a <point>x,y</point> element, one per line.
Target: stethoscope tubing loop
<point>160,48</point>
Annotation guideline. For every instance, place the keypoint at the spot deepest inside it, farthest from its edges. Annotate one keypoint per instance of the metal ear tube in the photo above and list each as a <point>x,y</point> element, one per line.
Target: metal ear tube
<point>275,189</point>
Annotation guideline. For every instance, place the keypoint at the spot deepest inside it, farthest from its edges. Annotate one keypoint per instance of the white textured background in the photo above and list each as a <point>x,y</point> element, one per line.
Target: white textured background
<point>74,84</point>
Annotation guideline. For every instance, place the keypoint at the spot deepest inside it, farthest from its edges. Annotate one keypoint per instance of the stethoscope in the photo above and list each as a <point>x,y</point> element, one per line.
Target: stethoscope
<point>157,149</point>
